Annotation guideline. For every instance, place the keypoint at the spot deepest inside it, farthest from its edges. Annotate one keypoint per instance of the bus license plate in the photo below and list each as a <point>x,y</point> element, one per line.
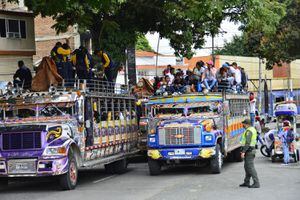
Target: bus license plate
<point>179,152</point>
<point>21,166</point>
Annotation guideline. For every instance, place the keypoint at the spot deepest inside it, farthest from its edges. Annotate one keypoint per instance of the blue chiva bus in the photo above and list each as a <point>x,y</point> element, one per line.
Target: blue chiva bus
<point>195,129</point>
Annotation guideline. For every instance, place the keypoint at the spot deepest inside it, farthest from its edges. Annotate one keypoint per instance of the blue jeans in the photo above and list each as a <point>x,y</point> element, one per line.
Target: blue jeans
<point>210,84</point>
<point>252,118</point>
<point>286,153</point>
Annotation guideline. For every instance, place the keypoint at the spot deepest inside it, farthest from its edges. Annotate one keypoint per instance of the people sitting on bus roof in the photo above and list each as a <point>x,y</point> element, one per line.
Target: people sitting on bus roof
<point>230,78</point>
<point>170,71</point>
<point>179,85</point>
<point>209,76</point>
<point>199,70</point>
<point>190,81</point>
<point>224,81</point>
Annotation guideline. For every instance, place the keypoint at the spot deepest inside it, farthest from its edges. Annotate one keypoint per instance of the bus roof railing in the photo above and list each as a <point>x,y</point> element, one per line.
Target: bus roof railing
<point>95,87</point>
<point>90,87</point>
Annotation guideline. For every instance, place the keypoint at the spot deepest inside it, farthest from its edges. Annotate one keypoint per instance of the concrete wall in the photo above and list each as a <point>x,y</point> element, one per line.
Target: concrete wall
<point>162,60</point>
<point>9,65</point>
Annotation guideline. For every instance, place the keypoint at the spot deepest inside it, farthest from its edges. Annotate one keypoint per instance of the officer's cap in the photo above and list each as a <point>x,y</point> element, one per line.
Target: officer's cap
<point>246,121</point>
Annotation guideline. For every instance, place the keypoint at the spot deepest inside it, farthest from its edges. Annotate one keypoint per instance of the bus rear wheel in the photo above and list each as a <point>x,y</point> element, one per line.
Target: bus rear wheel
<point>120,166</point>
<point>154,167</point>
<point>237,155</point>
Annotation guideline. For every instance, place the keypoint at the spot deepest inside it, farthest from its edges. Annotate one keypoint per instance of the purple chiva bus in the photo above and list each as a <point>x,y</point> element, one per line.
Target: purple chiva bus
<point>59,132</point>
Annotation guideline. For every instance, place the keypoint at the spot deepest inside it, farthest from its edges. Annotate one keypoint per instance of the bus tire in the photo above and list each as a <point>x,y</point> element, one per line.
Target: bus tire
<point>110,168</point>
<point>120,166</point>
<point>230,157</point>
<point>217,161</point>
<point>154,167</point>
<point>68,181</point>
<point>237,155</point>
<point>3,182</point>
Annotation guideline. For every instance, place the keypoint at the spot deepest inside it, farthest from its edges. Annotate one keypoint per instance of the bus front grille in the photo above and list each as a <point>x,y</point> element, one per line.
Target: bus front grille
<point>179,136</point>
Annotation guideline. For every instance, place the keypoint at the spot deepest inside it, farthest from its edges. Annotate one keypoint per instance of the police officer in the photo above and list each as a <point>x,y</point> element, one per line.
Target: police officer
<point>248,142</point>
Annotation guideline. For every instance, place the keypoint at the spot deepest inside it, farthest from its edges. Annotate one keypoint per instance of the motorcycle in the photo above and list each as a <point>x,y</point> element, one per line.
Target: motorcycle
<point>265,151</point>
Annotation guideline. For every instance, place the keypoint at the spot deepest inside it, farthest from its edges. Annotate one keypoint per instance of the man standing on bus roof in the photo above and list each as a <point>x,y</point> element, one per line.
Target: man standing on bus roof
<point>248,142</point>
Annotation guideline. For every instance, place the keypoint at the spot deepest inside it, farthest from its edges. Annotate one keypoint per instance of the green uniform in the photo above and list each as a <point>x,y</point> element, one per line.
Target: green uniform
<point>248,147</point>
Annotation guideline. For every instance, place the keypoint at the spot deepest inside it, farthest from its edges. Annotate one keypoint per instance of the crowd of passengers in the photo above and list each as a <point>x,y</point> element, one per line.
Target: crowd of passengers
<point>204,77</point>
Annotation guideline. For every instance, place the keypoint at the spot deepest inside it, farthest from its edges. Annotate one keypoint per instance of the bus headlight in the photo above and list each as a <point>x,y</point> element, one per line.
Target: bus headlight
<point>55,151</point>
<point>208,138</point>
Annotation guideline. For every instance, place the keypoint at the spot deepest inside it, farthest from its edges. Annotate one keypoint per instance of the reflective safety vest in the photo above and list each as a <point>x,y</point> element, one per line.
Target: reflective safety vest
<point>253,138</point>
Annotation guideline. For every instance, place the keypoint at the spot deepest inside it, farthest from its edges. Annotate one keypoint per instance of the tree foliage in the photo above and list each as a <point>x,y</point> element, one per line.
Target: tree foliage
<point>237,47</point>
<point>284,44</point>
<point>280,45</point>
<point>116,24</point>
<point>142,43</point>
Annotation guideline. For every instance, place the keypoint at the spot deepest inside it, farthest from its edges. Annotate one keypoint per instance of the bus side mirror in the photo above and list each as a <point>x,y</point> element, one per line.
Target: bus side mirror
<point>80,119</point>
<point>88,124</point>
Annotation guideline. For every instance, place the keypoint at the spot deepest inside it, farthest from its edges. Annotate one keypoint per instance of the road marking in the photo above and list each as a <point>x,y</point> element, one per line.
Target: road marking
<point>104,179</point>
<point>193,190</point>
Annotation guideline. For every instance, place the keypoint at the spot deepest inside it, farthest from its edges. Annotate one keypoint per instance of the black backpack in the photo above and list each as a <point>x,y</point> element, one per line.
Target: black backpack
<point>244,79</point>
<point>80,60</point>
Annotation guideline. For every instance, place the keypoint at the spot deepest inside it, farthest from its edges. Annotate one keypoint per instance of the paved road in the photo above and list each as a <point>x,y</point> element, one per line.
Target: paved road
<point>277,182</point>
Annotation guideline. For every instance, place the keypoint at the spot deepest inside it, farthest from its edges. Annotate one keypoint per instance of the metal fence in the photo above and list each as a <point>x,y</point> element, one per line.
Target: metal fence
<point>92,87</point>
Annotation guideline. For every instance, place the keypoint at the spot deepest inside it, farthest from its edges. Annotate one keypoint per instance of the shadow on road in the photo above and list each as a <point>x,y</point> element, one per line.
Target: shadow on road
<point>51,184</point>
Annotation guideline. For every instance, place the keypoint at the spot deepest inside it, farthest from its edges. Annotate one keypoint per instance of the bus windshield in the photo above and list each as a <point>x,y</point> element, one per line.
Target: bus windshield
<point>175,110</point>
<point>37,110</point>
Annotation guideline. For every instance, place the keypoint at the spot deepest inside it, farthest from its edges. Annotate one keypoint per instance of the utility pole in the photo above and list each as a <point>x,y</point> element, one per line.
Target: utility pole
<point>259,86</point>
<point>126,68</point>
<point>213,48</point>
<point>290,85</point>
<point>157,49</point>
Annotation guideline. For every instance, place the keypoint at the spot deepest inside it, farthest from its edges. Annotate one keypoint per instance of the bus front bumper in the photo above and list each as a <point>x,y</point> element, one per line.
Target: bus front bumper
<point>181,154</point>
<point>33,167</point>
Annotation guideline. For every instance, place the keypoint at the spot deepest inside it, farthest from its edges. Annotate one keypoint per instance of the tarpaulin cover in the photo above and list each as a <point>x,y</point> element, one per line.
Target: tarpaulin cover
<point>46,76</point>
<point>143,88</point>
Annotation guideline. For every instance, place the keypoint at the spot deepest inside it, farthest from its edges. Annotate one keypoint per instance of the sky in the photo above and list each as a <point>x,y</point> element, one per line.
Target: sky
<point>230,29</point>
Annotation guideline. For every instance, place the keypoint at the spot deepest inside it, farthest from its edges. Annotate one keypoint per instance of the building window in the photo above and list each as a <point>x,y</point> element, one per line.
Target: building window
<point>2,28</point>
<point>11,28</point>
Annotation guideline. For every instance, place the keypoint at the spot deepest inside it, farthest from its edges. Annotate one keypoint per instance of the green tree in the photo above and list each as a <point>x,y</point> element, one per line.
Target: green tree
<point>284,44</point>
<point>142,43</point>
<point>116,24</point>
<point>237,47</point>
<point>281,45</point>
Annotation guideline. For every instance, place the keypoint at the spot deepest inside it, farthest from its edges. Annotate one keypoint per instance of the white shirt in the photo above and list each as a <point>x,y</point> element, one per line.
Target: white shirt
<point>231,71</point>
<point>171,76</point>
<point>252,106</point>
<point>268,139</point>
<point>238,76</point>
